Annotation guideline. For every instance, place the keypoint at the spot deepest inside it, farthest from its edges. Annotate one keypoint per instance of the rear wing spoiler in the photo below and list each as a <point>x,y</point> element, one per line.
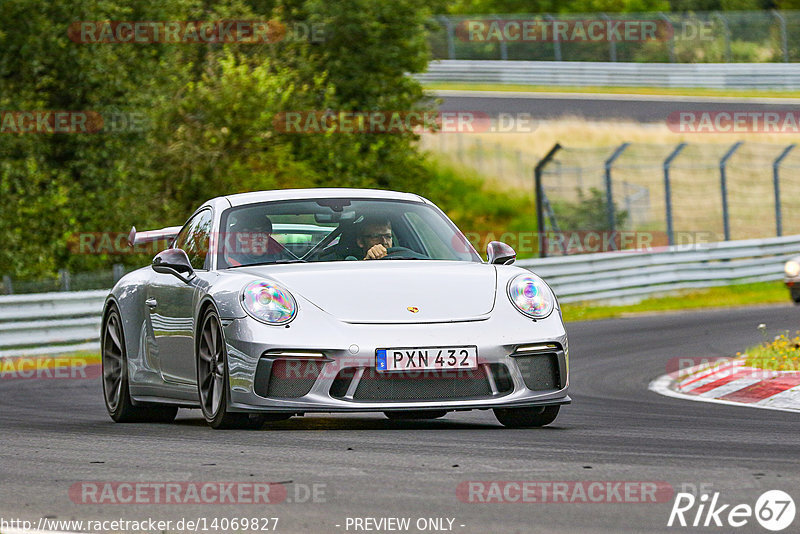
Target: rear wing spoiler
<point>166,234</point>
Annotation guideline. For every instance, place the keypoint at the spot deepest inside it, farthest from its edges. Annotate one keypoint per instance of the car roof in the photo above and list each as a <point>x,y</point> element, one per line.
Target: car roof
<point>304,194</point>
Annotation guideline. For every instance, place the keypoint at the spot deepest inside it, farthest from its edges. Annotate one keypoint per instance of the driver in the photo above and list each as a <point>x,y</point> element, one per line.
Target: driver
<point>375,238</point>
<point>249,241</point>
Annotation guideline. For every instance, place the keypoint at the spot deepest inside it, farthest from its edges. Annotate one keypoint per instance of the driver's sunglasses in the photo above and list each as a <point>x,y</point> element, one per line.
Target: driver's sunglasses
<point>379,236</point>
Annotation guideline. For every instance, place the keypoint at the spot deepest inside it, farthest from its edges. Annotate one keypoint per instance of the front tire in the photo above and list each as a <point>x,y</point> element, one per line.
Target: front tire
<point>795,295</point>
<point>213,382</point>
<point>526,417</point>
<point>116,391</point>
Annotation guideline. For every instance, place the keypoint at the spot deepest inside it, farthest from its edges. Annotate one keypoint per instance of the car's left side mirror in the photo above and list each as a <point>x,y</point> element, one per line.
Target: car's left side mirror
<point>500,254</point>
<point>174,261</point>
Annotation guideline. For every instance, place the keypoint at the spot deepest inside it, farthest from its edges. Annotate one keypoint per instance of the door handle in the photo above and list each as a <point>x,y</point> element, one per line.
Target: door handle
<point>151,303</point>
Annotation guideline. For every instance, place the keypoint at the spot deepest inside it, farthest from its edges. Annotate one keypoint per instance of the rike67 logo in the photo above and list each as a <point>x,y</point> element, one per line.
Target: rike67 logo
<point>774,510</point>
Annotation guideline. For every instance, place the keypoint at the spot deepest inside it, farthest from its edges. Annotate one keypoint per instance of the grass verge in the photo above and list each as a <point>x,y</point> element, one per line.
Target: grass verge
<point>666,91</point>
<point>715,297</point>
<point>780,354</point>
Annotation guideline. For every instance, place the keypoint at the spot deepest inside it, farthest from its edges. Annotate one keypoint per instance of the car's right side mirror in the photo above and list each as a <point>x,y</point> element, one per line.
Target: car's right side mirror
<point>174,261</point>
<point>500,254</point>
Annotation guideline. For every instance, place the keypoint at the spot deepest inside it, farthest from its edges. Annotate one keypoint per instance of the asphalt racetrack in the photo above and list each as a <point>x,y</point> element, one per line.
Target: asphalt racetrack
<point>598,107</point>
<point>55,434</point>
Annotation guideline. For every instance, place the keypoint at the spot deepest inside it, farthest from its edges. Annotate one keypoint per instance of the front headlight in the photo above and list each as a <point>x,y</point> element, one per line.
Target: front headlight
<point>269,303</point>
<point>531,296</point>
<point>792,268</point>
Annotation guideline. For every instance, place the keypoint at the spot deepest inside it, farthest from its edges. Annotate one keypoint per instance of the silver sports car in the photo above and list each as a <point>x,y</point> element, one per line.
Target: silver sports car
<point>280,303</point>
<point>791,272</point>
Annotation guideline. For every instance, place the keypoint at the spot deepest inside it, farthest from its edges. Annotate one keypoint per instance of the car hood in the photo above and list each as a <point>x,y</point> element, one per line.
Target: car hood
<point>389,291</point>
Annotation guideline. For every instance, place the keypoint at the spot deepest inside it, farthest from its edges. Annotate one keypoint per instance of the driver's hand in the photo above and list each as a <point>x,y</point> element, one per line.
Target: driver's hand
<point>375,253</point>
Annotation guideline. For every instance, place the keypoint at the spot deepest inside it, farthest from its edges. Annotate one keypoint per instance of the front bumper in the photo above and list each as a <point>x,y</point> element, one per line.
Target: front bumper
<point>343,379</point>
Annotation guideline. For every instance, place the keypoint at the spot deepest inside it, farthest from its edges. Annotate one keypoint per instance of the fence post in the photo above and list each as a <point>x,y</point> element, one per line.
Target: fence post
<point>118,271</point>
<point>612,44</point>
<point>498,153</point>
<point>671,37</point>
<point>723,181</point>
<point>776,182</point>
<point>609,192</point>
<point>9,287</point>
<point>556,40</point>
<point>727,32</point>
<point>668,192</point>
<point>448,28</point>
<point>503,44</point>
<point>784,42</point>
<point>539,190</point>
<point>65,277</point>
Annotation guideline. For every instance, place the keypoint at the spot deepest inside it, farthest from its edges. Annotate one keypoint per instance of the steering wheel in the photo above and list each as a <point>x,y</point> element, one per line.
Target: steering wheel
<point>403,253</point>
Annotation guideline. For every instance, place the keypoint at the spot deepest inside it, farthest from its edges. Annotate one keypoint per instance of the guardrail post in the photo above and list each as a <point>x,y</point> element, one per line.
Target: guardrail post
<point>776,182</point>
<point>609,192</point>
<point>556,40</point>
<point>539,190</point>
<point>66,279</point>
<point>784,42</point>
<point>7,285</point>
<point>671,37</point>
<point>723,181</point>
<point>612,44</point>
<point>668,191</point>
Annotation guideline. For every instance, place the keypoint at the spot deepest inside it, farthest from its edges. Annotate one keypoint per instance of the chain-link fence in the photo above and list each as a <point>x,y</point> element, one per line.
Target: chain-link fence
<point>702,37</point>
<point>65,281</point>
<point>677,194</point>
<point>664,194</point>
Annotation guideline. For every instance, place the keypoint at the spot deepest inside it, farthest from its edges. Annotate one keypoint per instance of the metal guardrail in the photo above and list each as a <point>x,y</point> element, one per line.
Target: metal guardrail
<point>623,274</point>
<point>52,323</point>
<point>576,73</point>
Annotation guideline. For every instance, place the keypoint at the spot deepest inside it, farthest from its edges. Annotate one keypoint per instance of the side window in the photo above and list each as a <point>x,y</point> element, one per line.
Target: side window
<point>194,239</point>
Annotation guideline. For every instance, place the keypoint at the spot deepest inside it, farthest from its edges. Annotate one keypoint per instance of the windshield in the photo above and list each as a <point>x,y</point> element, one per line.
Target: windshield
<point>323,230</point>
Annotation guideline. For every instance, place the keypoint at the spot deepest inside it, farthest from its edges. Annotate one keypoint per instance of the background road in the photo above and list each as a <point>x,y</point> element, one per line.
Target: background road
<point>56,433</point>
<point>637,108</point>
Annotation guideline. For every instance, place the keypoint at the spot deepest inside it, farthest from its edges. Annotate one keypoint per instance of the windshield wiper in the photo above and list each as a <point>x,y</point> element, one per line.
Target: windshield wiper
<point>277,262</point>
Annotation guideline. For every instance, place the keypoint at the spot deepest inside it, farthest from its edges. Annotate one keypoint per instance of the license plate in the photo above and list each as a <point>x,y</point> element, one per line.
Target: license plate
<point>414,359</point>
